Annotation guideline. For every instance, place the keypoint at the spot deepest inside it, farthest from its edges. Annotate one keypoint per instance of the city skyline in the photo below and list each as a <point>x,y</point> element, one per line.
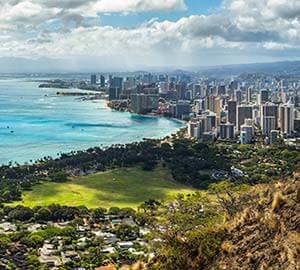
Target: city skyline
<point>133,34</point>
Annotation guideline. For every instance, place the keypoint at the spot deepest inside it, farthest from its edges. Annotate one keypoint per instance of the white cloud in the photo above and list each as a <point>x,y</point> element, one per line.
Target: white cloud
<point>277,46</point>
<point>132,6</point>
<point>242,26</point>
<point>34,12</point>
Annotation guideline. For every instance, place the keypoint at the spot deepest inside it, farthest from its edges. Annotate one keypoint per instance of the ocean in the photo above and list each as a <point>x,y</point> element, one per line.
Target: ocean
<point>35,122</point>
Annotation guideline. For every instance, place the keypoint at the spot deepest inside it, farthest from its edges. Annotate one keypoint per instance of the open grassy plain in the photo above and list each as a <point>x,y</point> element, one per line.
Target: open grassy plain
<point>121,188</point>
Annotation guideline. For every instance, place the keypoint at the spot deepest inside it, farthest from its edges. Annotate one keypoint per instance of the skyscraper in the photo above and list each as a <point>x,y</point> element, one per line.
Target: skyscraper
<point>198,90</point>
<point>182,109</point>
<point>243,112</point>
<point>181,90</point>
<point>116,87</point>
<point>269,117</point>
<point>286,118</point>
<point>93,79</point>
<point>143,103</point>
<point>102,81</point>
<point>210,103</point>
<point>238,96</point>
<point>246,134</point>
<point>268,124</point>
<point>249,95</point>
<point>114,93</point>
<point>232,110</point>
<point>274,134</point>
<point>227,131</point>
<point>210,122</point>
<point>117,82</point>
<point>221,90</point>
<point>263,96</point>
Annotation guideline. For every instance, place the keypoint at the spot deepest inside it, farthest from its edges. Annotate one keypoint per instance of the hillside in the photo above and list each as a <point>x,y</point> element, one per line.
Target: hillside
<point>276,68</point>
<point>251,228</point>
<point>265,235</point>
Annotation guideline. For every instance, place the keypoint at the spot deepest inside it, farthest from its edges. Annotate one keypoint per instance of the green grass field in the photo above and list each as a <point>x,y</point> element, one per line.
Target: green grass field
<point>121,188</point>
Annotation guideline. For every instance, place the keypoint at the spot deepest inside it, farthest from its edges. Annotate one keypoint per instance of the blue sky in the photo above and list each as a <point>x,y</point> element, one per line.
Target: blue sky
<point>194,7</point>
<point>135,34</point>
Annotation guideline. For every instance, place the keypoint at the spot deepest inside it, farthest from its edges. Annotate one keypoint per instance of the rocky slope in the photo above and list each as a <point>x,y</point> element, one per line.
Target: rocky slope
<point>267,234</point>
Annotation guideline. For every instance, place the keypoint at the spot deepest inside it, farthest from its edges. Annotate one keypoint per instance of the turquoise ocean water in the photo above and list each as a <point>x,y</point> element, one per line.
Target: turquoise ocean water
<point>35,123</point>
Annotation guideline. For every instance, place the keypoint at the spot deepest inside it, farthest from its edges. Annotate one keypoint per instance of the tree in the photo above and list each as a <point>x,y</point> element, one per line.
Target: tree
<point>20,213</point>
<point>126,232</point>
<point>114,211</point>
<point>98,213</point>
<point>59,177</point>
<point>190,234</point>
<point>43,214</point>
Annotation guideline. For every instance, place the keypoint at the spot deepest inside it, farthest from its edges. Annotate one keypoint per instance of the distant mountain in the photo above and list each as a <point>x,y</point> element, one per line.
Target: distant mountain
<point>86,65</point>
<point>276,68</point>
<point>26,65</point>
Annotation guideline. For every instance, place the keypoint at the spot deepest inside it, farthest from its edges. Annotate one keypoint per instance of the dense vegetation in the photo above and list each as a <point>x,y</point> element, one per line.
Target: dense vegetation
<point>245,228</point>
<point>190,163</point>
<point>191,232</point>
<point>20,248</point>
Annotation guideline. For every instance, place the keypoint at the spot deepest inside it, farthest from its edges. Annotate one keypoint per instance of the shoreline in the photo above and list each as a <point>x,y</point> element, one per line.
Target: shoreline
<point>38,154</point>
<point>183,122</point>
<point>162,138</point>
<point>75,152</point>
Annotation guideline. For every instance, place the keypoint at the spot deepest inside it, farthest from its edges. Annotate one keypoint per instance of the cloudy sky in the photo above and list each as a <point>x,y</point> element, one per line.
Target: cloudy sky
<point>131,34</point>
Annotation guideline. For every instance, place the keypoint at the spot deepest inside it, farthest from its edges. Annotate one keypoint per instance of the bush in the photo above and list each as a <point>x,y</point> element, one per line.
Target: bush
<point>149,165</point>
<point>58,177</point>
<point>43,214</point>
<point>20,213</point>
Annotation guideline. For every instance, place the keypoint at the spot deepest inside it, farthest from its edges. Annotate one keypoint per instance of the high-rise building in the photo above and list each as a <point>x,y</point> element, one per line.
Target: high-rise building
<point>110,79</point>
<point>210,122</point>
<point>249,122</point>
<point>210,103</point>
<point>286,118</point>
<point>93,79</point>
<point>199,106</point>
<point>263,96</point>
<point>249,95</point>
<point>192,128</point>
<point>227,131</point>
<point>114,93</point>
<point>269,117</point>
<point>102,81</point>
<point>297,126</point>
<point>198,90</point>
<point>234,85</point>
<point>182,109</point>
<point>131,82</point>
<point>217,106</point>
<point>221,90</point>
<point>243,112</point>
<point>143,103</point>
<point>181,90</point>
<point>164,87</point>
<point>117,82</point>
<point>238,96</point>
<point>116,87</point>
<point>196,128</point>
<point>297,100</point>
<point>244,138</point>
<point>268,124</point>
<point>232,111</point>
<point>274,134</point>
<point>246,134</point>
